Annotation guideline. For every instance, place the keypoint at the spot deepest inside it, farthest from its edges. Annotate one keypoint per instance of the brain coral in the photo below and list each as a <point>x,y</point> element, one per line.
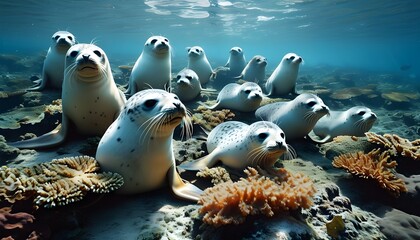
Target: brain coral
<point>372,165</point>
<point>209,119</point>
<point>396,146</point>
<point>231,202</point>
<point>58,182</point>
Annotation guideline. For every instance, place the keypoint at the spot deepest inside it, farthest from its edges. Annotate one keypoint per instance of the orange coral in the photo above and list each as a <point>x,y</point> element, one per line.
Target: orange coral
<point>374,166</point>
<point>397,146</point>
<point>231,202</point>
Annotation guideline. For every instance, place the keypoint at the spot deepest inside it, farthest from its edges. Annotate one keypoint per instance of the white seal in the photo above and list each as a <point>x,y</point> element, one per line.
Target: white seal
<point>153,67</point>
<point>244,98</point>
<point>296,117</point>
<point>138,145</point>
<point>90,98</point>
<point>187,86</point>
<point>198,62</point>
<point>236,61</point>
<point>239,145</point>
<point>355,121</point>
<point>53,69</point>
<point>283,80</point>
<point>254,71</point>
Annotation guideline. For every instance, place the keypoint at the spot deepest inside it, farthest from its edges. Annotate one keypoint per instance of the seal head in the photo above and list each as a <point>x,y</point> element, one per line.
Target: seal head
<point>355,121</point>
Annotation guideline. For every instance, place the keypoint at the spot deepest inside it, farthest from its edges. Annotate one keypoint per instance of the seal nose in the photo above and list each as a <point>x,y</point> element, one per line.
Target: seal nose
<point>163,43</point>
<point>85,57</point>
<point>299,59</point>
<point>177,105</point>
<point>373,116</point>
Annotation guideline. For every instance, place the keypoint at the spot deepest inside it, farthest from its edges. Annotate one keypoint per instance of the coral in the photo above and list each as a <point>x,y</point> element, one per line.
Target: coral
<point>335,226</point>
<point>209,119</point>
<point>400,96</point>
<point>396,146</point>
<point>231,202</point>
<point>58,182</point>
<point>372,165</point>
<point>7,152</point>
<point>217,174</point>
<point>10,220</point>
<point>54,107</point>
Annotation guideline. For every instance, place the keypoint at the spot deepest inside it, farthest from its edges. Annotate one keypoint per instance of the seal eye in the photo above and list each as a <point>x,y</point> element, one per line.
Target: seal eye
<point>361,113</point>
<point>248,91</point>
<point>311,104</point>
<point>189,78</point>
<point>70,37</point>
<point>166,40</point>
<point>292,57</point>
<point>262,136</point>
<point>57,37</point>
<point>74,54</point>
<point>178,77</point>
<point>150,103</point>
<point>98,53</point>
<point>282,135</point>
<point>153,41</point>
<point>258,60</point>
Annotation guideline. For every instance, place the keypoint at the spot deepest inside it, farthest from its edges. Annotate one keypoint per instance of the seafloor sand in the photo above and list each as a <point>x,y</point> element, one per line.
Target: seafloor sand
<point>369,212</point>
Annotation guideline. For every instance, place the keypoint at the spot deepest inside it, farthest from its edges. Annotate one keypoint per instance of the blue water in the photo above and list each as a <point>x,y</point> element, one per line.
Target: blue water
<point>375,35</point>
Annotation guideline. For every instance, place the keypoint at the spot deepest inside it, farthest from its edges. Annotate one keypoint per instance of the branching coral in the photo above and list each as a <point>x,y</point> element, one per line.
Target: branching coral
<point>373,166</point>
<point>58,182</point>
<point>10,220</point>
<point>396,146</point>
<point>231,202</point>
<point>211,118</point>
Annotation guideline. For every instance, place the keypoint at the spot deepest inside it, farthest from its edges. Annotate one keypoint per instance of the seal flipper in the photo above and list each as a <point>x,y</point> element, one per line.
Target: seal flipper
<point>207,161</point>
<point>182,189</point>
<point>316,139</point>
<point>40,84</point>
<point>209,107</point>
<point>51,139</point>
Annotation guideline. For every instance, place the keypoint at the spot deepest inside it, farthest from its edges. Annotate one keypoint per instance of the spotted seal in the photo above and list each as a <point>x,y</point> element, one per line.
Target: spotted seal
<point>236,61</point>
<point>283,80</point>
<point>245,98</point>
<point>53,69</point>
<point>352,122</point>
<point>254,71</point>
<point>296,117</point>
<point>153,67</point>
<point>138,145</point>
<point>198,62</point>
<point>90,98</point>
<point>239,145</point>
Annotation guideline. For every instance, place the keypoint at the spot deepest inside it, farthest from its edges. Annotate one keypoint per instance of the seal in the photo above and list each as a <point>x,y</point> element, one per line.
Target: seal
<point>153,67</point>
<point>236,61</point>
<point>90,98</point>
<point>53,69</point>
<point>138,145</point>
<point>198,62</point>
<point>254,71</point>
<point>239,145</point>
<point>244,98</point>
<point>352,122</point>
<point>283,80</point>
<point>296,117</point>
<point>187,86</point>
